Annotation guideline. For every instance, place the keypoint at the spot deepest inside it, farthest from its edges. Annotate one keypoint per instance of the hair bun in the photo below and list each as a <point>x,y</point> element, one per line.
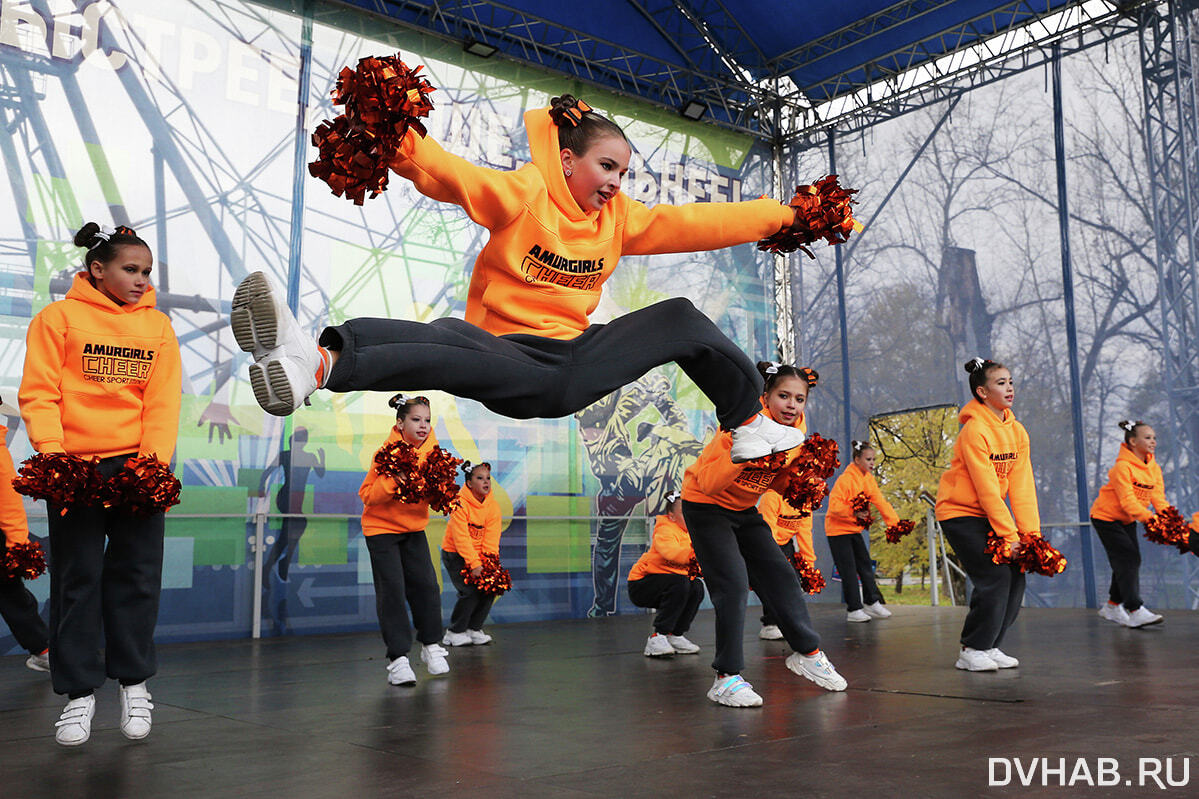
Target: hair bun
<point>86,237</point>
<point>810,375</point>
<point>1125,425</point>
<point>396,401</point>
<point>974,364</point>
<point>567,110</point>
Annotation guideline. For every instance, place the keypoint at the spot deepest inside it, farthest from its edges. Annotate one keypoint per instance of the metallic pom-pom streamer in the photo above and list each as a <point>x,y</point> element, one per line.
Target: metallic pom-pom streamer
<point>899,530</point>
<point>25,561</point>
<point>861,509</point>
<point>694,572</point>
<point>63,481</point>
<point>1168,527</point>
<point>822,211</point>
<point>810,578</point>
<point>144,486</point>
<point>816,463</point>
<point>383,98</point>
<point>493,579</point>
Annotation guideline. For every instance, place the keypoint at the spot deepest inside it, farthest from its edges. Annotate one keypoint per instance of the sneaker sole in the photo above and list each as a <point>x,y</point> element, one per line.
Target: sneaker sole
<point>146,734</point>
<point>729,704</point>
<point>1146,624</point>
<point>402,682</point>
<point>966,667</point>
<point>824,683</point>
<point>255,324</point>
<point>74,743</point>
<point>272,389</point>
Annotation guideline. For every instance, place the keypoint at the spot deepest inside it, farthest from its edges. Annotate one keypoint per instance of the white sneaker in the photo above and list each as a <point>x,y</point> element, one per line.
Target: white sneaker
<point>1115,613</point>
<point>478,637</point>
<point>433,656</point>
<point>732,691</point>
<point>38,662</point>
<point>400,673</point>
<point>456,639</point>
<point>763,437</point>
<point>656,646</point>
<point>975,660</point>
<point>135,711</point>
<point>877,610</point>
<point>286,358</point>
<point>857,615</point>
<point>770,632</point>
<point>1143,617</point>
<point>817,669</point>
<point>1001,660</point>
<point>681,645</point>
<point>74,726</point>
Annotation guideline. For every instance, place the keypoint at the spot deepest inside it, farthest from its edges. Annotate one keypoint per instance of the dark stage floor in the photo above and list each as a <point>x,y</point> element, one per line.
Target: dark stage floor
<point>572,708</point>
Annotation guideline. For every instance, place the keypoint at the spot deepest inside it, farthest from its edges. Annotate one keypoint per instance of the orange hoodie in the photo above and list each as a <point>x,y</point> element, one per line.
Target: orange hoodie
<point>100,378</point>
<point>381,511</point>
<point>839,519</point>
<point>473,528</point>
<point>786,523</point>
<point>991,462</point>
<point>543,267</point>
<point>1132,484</point>
<point>668,553</point>
<point>12,508</point>
<point>715,480</point>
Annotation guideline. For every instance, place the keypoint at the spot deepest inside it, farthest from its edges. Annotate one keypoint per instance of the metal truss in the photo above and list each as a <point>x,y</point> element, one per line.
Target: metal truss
<point>712,71</point>
<point>1167,41</point>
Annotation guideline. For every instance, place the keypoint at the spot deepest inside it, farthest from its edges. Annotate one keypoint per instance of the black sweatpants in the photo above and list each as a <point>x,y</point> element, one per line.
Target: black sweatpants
<point>524,377</point>
<point>473,605</point>
<point>103,596</point>
<point>735,547</point>
<point>998,588</point>
<point>768,617</point>
<point>405,578</point>
<point>676,596</point>
<point>1124,554</point>
<point>852,558</point>
<point>18,607</point>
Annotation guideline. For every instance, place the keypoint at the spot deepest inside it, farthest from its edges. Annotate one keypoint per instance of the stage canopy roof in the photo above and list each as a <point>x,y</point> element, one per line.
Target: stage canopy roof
<point>774,68</point>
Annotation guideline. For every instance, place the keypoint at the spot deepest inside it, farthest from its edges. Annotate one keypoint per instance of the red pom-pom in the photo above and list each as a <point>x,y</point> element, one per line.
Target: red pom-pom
<point>822,211</point>
<point>441,473</point>
<point>383,98</point>
<point>25,560</point>
<point>1038,556</point>
<point>143,487</point>
<point>899,530</point>
<point>433,481</point>
<point>494,579</point>
<point>1168,527</point>
<point>998,548</point>
<point>808,485</point>
<point>861,509</point>
<point>694,572</point>
<point>399,461</point>
<point>65,481</point>
<point>810,578</point>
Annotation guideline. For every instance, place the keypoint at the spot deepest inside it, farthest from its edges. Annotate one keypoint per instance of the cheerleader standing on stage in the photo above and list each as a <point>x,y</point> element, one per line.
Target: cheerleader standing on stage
<point>558,227</point>
<point>659,579</point>
<point>846,531</point>
<point>991,462</point>
<point>102,379</point>
<point>792,531</point>
<point>400,562</point>
<point>473,530</point>
<point>736,548</point>
<point>17,605</point>
<point>1133,484</point>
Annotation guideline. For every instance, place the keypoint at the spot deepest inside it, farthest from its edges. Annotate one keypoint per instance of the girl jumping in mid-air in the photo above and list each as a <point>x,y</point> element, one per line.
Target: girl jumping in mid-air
<point>736,548</point>
<point>558,227</point>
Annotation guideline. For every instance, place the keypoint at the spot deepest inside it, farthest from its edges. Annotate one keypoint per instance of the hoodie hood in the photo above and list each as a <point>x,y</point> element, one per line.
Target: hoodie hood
<point>1126,454</point>
<point>83,290</point>
<point>976,410</point>
<point>546,153</point>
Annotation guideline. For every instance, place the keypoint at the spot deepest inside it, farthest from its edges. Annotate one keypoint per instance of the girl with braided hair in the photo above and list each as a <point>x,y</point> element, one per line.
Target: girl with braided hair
<point>558,226</point>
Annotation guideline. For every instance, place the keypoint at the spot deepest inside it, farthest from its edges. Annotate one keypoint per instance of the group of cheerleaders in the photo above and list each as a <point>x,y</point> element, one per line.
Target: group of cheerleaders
<point>102,380</point>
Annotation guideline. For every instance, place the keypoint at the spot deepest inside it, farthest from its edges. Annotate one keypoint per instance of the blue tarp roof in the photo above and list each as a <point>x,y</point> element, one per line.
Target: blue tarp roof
<point>723,53</point>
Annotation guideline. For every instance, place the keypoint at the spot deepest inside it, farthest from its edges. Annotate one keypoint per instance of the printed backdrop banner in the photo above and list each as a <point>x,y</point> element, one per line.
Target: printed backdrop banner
<point>181,118</point>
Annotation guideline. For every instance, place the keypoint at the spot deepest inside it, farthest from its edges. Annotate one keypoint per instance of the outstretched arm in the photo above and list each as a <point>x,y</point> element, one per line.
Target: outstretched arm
<point>696,227</point>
